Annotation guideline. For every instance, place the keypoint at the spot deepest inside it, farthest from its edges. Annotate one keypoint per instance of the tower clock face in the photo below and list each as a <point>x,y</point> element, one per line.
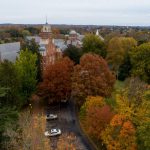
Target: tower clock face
<point>46,28</point>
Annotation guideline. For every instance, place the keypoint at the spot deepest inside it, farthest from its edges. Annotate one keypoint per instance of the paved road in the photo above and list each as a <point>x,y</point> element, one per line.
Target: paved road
<point>68,123</point>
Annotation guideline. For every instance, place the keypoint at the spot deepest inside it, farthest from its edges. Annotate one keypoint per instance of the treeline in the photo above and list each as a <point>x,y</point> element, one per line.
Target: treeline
<point>123,55</point>
<point>13,34</point>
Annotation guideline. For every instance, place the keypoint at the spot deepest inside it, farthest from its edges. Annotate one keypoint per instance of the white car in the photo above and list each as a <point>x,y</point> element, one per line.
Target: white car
<point>53,132</point>
<point>51,116</point>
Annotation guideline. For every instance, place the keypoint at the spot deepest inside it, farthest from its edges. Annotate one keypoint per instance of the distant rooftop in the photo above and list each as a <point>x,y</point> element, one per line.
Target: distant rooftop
<point>72,32</point>
<point>9,51</point>
<point>36,38</point>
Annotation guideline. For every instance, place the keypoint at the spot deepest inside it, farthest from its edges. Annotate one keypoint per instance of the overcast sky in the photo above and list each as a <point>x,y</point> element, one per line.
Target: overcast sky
<point>100,12</point>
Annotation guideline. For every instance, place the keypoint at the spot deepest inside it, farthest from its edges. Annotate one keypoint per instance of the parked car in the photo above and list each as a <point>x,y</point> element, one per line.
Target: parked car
<point>51,117</point>
<point>53,132</point>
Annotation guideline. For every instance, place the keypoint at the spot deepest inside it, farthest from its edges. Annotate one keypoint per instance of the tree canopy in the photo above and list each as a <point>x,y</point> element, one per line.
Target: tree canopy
<point>10,84</point>
<point>56,85</point>
<point>27,71</point>
<point>73,53</point>
<point>92,77</point>
<point>140,60</point>
<point>118,48</point>
<point>93,44</point>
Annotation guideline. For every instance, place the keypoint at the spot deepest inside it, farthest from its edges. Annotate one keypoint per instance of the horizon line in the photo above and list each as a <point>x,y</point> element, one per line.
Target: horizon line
<point>76,24</point>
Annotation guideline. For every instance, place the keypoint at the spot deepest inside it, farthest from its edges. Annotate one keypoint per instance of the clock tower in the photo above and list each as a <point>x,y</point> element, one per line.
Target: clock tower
<point>46,31</point>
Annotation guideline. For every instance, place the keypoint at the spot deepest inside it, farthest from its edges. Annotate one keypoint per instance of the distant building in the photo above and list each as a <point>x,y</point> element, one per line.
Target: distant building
<point>60,44</point>
<point>9,51</point>
<point>75,39</point>
<point>48,49</point>
<point>49,45</point>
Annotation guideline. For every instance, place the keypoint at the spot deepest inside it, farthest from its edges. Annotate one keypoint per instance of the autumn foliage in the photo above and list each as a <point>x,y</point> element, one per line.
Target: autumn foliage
<point>92,77</point>
<point>91,101</point>
<point>97,116</point>
<point>56,83</point>
<point>67,142</point>
<point>30,134</point>
<point>97,120</point>
<point>120,134</point>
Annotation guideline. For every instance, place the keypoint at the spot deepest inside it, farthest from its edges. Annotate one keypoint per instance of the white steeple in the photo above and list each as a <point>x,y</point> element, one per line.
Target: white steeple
<point>97,34</point>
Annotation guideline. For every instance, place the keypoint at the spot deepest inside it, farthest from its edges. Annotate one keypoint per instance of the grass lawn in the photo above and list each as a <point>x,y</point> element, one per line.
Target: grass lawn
<point>119,85</point>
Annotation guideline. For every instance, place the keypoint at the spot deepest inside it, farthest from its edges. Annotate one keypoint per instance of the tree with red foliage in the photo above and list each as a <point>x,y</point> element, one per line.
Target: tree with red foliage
<point>56,85</point>
<point>92,77</point>
<point>97,119</point>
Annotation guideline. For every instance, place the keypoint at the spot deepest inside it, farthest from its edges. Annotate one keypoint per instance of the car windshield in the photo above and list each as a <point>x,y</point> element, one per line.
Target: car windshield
<point>54,131</point>
<point>50,115</point>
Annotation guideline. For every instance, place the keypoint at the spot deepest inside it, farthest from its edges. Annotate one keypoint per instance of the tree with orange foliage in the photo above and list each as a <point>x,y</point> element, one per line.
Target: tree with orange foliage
<point>120,134</point>
<point>55,31</point>
<point>97,119</point>
<point>56,84</point>
<point>95,115</point>
<point>92,77</point>
<point>91,101</point>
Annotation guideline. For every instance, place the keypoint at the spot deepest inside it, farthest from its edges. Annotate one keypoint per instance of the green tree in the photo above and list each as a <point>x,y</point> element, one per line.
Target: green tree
<point>143,136</point>
<point>8,116</point>
<point>14,33</point>
<point>73,53</point>
<point>27,71</point>
<point>34,48</point>
<point>9,81</point>
<point>140,60</point>
<point>117,50</point>
<point>25,33</point>
<point>33,30</point>
<point>93,44</point>
<point>125,69</point>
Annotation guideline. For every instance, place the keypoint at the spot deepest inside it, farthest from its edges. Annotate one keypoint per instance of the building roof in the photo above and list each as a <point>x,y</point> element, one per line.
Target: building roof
<point>9,51</point>
<point>36,38</point>
<point>60,43</point>
<point>72,32</point>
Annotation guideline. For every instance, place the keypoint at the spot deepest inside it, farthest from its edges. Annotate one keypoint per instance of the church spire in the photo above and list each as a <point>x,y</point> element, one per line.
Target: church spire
<point>97,32</point>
